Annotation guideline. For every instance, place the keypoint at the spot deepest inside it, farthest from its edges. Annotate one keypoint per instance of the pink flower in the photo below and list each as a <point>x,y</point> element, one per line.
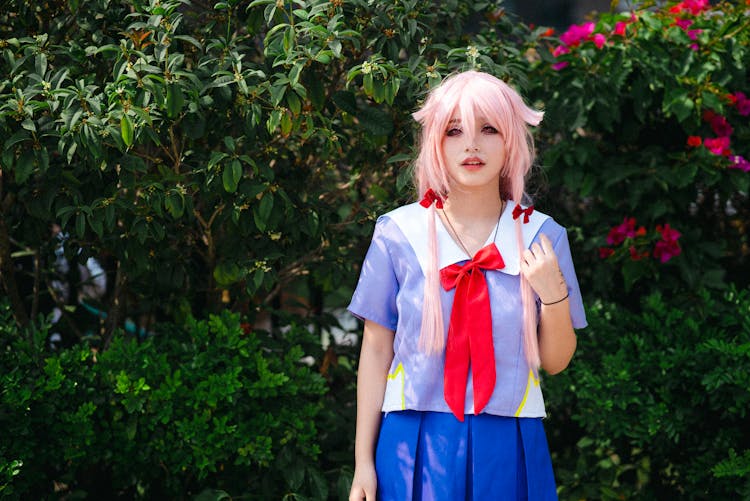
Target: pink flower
<point>694,47</point>
<point>738,162</point>
<point>620,27</point>
<point>599,40</point>
<point>720,126</point>
<point>717,145</point>
<point>560,65</point>
<point>694,141</point>
<point>560,50</point>
<point>576,33</point>
<point>684,23</point>
<point>693,34</point>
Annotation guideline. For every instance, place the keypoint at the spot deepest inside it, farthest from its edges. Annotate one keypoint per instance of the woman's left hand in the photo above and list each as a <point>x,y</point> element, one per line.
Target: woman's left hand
<point>539,266</point>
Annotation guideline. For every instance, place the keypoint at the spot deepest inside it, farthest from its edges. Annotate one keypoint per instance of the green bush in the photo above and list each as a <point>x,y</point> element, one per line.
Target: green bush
<point>655,402</point>
<point>207,406</point>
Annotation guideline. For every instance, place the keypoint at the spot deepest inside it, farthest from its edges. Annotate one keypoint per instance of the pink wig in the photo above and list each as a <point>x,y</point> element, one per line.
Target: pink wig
<point>465,96</point>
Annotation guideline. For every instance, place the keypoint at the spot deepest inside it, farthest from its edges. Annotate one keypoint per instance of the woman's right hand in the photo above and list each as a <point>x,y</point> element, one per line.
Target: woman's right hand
<point>364,484</point>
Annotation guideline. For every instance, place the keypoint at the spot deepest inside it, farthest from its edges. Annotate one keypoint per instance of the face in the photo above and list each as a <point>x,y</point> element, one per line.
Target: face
<point>473,165</point>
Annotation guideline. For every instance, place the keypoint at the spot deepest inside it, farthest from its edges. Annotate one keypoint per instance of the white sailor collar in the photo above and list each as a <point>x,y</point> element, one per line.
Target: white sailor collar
<point>412,221</point>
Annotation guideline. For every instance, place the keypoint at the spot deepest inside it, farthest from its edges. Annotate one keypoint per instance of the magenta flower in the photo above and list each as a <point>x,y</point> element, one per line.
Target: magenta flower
<point>668,247</point>
<point>620,27</point>
<point>742,103</point>
<point>560,50</point>
<point>560,65</point>
<point>627,229</point>
<point>577,33</point>
<point>684,23</point>
<point>599,40</point>
<point>717,145</point>
<point>738,162</point>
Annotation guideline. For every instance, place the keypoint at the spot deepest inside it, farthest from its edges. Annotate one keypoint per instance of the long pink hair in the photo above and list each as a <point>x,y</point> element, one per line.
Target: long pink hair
<point>464,96</point>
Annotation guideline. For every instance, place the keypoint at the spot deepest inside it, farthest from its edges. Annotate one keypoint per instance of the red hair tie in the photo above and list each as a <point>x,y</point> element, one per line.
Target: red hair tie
<point>429,197</point>
<point>518,210</point>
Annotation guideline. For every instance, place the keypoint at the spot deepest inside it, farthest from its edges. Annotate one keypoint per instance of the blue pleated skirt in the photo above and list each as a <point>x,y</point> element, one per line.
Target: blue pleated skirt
<point>432,456</point>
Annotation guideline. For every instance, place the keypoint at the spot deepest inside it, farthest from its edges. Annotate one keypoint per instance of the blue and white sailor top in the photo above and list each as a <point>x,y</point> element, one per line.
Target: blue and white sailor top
<point>390,292</point>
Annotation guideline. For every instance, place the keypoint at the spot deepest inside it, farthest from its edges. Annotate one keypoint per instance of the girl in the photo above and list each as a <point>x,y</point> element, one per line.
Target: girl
<point>464,296</point>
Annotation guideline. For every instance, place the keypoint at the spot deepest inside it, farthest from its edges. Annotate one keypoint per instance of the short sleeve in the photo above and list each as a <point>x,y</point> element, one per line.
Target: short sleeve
<point>565,260</point>
<point>375,296</point>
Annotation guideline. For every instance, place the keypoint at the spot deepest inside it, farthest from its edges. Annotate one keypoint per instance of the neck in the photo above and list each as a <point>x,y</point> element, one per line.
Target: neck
<point>477,205</point>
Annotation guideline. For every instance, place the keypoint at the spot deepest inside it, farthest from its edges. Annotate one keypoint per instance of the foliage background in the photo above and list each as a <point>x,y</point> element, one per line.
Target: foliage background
<point>232,156</point>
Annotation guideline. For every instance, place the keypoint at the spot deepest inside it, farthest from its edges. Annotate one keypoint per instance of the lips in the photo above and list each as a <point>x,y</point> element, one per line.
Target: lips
<point>472,163</point>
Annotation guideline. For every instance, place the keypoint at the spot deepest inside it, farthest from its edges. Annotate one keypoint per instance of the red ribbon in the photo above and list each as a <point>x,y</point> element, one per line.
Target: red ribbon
<point>518,210</point>
<point>429,197</point>
<point>470,331</point>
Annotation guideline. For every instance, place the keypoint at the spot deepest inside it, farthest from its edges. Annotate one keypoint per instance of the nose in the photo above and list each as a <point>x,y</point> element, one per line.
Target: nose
<point>470,146</point>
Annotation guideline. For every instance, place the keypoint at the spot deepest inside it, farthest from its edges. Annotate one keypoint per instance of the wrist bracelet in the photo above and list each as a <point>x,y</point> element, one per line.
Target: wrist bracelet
<point>567,294</point>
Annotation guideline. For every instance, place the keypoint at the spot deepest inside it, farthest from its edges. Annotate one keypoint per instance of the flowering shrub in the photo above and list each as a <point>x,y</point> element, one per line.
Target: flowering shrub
<point>646,115</point>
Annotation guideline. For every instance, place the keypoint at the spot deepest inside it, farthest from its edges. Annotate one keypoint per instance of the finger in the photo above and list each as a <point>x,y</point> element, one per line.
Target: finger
<point>528,256</point>
<point>537,250</point>
<point>546,244</point>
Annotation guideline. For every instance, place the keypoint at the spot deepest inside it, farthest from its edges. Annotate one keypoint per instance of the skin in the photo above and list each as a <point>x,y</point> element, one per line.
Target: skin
<point>472,208</point>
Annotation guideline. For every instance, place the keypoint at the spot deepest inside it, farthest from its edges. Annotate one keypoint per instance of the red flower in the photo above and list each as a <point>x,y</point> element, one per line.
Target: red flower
<point>605,252</point>
<point>635,255</point>
<point>694,141</point>
<point>548,32</point>
<point>708,115</point>
<point>720,126</point>
<point>731,99</point>
<point>717,145</point>
<point>620,27</point>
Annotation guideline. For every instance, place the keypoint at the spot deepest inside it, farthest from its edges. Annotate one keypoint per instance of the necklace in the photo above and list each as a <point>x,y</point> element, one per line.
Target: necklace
<point>458,238</point>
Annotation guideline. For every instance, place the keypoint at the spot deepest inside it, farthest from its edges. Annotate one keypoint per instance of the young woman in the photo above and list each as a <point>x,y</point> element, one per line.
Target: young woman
<point>464,296</point>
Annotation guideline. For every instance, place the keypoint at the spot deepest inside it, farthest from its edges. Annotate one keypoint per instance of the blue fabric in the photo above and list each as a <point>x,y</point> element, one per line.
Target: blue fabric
<point>390,292</point>
<point>431,456</point>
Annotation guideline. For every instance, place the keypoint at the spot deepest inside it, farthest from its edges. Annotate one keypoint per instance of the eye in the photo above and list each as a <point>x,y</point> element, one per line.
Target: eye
<point>488,129</point>
<point>453,131</point>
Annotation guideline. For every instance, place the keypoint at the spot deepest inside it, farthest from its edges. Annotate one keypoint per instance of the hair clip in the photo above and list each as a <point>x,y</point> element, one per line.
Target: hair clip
<point>518,210</point>
<point>429,197</point>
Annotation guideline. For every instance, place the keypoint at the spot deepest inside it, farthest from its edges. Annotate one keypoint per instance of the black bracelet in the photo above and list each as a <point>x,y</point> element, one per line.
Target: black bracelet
<point>567,294</point>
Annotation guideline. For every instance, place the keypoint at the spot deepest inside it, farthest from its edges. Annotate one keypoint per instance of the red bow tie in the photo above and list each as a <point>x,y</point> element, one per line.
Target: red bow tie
<point>518,210</point>
<point>470,331</point>
<point>429,197</point>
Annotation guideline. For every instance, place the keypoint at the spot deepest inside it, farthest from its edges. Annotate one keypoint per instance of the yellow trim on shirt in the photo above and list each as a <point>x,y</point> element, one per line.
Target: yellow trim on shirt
<point>531,380</point>
<point>400,371</point>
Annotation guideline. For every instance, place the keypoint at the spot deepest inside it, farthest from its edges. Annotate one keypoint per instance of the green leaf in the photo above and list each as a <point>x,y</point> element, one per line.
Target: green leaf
<point>175,100</point>
<point>263,212</point>
<point>126,129</point>
<point>80,224</point>
<point>25,166</point>
<point>376,121</point>
<point>232,175</point>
